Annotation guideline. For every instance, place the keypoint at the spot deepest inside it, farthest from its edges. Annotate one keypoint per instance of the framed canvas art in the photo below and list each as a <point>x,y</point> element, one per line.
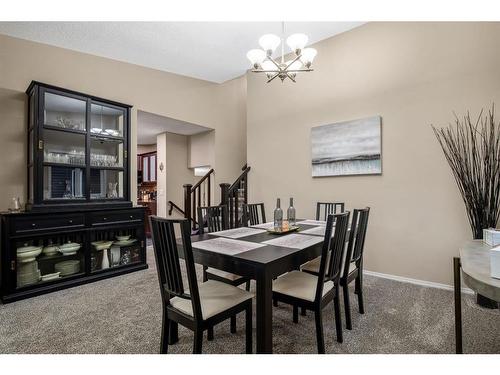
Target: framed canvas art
<point>347,148</point>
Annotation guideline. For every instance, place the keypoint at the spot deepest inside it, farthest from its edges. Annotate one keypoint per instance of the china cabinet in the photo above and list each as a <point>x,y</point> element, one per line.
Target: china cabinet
<point>78,147</point>
<point>79,225</point>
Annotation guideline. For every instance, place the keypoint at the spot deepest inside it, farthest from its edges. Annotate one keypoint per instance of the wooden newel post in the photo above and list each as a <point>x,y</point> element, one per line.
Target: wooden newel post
<point>187,201</point>
<point>224,193</point>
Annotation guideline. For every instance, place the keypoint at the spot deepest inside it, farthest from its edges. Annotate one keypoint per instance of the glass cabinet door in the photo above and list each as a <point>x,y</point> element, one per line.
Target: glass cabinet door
<point>113,248</point>
<point>47,258</point>
<point>106,120</point>
<point>64,112</point>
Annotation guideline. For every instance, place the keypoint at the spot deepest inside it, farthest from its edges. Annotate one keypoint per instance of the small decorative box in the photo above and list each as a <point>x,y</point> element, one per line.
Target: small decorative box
<point>495,262</point>
<point>491,236</point>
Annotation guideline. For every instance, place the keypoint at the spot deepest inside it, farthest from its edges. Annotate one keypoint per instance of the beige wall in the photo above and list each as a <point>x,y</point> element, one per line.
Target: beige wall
<point>411,74</point>
<point>172,150</point>
<point>192,100</point>
<point>201,149</point>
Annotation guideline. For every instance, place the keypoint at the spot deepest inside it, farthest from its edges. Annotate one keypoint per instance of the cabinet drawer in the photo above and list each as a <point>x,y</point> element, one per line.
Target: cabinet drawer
<point>39,223</point>
<point>113,217</point>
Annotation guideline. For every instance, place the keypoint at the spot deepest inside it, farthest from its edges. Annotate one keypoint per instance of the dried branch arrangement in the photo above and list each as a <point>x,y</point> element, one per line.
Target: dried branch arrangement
<point>472,150</point>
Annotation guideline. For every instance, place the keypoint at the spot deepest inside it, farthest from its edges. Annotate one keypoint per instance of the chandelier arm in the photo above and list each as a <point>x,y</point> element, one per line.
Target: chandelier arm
<point>289,76</point>
<point>274,62</point>
<point>273,77</point>
<point>264,71</point>
<point>291,62</point>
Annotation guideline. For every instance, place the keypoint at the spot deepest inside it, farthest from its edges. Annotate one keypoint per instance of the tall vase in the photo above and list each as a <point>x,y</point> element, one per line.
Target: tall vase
<point>105,259</point>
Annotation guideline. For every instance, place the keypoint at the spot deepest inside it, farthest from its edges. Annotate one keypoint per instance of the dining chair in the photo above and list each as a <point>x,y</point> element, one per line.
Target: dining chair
<point>254,213</point>
<point>199,306</point>
<point>314,292</point>
<point>353,265</point>
<point>214,219</point>
<point>323,209</point>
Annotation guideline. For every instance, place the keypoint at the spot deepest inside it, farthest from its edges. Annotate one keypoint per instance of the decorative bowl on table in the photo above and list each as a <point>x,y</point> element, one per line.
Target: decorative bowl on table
<point>69,248</point>
<point>122,238</point>
<point>102,245</point>
<point>28,253</point>
<point>285,228</point>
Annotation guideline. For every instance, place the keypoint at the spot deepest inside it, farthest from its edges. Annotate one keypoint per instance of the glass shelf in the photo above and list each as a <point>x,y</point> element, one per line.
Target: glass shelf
<point>64,112</point>
<point>106,121</point>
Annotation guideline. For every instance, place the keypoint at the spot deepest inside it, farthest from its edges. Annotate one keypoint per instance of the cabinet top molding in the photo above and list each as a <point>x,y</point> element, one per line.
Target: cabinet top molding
<point>92,97</point>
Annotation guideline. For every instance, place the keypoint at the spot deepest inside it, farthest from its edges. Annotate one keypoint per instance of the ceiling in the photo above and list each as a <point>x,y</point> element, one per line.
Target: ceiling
<point>213,51</point>
<point>150,125</point>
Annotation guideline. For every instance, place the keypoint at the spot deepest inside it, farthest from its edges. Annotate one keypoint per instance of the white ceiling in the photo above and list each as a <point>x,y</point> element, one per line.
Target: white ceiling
<point>150,125</point>
<point>213,51</point>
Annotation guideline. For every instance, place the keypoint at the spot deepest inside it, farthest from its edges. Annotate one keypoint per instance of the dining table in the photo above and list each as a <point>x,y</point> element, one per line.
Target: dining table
<point>257,253</point>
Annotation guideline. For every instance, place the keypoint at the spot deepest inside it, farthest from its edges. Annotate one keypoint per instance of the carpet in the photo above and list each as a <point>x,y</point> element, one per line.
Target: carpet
<point>123,315</point>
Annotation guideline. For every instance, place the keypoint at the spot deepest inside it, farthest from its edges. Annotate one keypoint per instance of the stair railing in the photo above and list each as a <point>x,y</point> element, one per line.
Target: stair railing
<point>234,196</point>
<point>198,195</point>
<point>172,205</point>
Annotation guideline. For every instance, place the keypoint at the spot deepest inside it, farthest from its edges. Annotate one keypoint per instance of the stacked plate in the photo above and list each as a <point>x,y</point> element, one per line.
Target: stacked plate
<point>27,273</point>
<point>68,267</point>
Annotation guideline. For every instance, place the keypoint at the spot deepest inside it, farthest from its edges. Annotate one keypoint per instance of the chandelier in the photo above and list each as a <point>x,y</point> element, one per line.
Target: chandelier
<point>263,62</point>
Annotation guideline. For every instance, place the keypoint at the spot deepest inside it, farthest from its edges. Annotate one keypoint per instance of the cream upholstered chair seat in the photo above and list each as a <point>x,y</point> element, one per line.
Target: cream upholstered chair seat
<point>313,265</point>
<point>215,297</point>
<point>224,274</point>
<point>300,285</point>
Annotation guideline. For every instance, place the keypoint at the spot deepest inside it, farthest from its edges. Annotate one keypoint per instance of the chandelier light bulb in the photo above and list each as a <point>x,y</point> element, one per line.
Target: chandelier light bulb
<point>269,43</point>
<point>307,56</point>
<point>296,65</point>
<point>256,57</point>
<point>297,42</point>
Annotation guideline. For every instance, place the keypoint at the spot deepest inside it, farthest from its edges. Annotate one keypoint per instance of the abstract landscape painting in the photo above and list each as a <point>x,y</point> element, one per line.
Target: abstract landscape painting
<point>347,148</point>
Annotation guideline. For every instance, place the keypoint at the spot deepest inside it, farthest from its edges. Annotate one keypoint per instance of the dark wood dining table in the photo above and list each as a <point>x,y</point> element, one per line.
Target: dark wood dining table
<point>262,265</point>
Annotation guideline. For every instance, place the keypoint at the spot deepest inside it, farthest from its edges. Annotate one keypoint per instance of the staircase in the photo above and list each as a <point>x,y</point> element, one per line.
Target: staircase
<point>233,195</point>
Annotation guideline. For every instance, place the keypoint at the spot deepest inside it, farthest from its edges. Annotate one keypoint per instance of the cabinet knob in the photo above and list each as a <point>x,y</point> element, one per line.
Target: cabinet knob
<point>70,221</point>
<point>33,225</point>
<point>105,218</point>
<point>131,216</point>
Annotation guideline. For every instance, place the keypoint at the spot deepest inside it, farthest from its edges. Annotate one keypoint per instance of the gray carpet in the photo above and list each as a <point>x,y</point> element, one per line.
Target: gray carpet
<point>123,315</point>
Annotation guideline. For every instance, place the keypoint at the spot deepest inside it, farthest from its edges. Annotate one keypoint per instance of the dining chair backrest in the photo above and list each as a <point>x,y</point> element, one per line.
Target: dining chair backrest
<point>215,217</point>
<point>254,213</point>
<point>357,237</point>
<point>330,266</point>
<point>167,261</point>
<point>323,209</point>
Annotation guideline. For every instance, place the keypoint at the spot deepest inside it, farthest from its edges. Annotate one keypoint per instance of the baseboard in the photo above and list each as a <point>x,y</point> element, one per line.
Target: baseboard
<point>428,284</point>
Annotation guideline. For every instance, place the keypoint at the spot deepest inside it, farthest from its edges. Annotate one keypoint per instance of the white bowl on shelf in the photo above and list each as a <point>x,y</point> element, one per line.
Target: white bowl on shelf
<point>29,256</point>
<point>125,243</point>
<point>122,238</point>
<point>50,250</point>
<point>69,248</point>
<point>26,248</point>
<point>102,245</point>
